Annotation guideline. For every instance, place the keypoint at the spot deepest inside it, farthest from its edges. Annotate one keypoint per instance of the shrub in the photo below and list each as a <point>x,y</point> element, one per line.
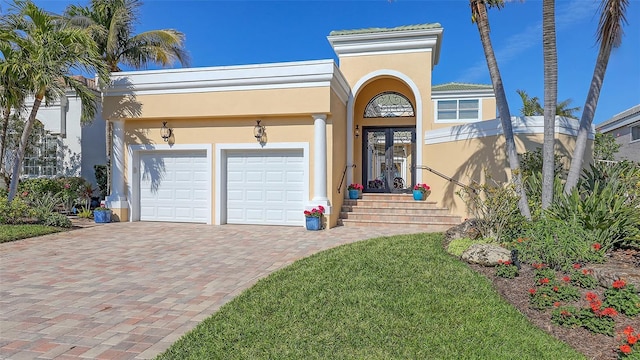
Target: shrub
<point>44,205</point>
<point>594,318</point>
<point>629,349</point>
<point>495,205</point>
<point>39,187</point>
<point>549,292</point>
<point>100,172</point>
<point>623,297</point>
<point>14,212</point>
<point>559,244</point>
<point>57,220</point>
<point>567,316</point>
<point>582,277</point>
<point>506,269</point>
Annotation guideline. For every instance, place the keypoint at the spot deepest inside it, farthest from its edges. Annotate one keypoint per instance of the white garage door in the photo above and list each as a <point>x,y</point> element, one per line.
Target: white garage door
<point>174,186</point>
<point>265,187</point>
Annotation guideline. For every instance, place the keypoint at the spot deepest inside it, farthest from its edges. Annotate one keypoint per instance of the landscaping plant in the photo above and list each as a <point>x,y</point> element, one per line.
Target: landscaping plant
<point>629,350</point>
<point>623,297</point>
<point>582,277</point>
<point>506,269</point>
<point>559,244</point>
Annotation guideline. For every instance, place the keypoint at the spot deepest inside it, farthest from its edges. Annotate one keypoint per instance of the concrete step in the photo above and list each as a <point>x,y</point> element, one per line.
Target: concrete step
<point>427,227</point>
<point>403,218</point>
<point>392,210</point>
<point>403,203</point>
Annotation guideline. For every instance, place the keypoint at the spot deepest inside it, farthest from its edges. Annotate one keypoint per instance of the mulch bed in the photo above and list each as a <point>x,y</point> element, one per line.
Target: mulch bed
<point>593,346</point>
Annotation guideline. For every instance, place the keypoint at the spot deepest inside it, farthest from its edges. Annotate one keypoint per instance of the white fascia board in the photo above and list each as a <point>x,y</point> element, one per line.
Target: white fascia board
<point>619,123</point>
<point>438,95</point>
<point>526,125</point>
<point>340,85</point>
<point>392,42</point>
<point>301,74</point>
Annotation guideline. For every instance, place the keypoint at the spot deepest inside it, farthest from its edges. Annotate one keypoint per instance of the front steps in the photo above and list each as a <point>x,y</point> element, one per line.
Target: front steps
<point>398,210</point>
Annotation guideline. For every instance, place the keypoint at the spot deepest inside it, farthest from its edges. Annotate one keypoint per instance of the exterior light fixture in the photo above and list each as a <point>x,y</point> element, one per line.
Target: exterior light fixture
<point>259,131</point>
<point>357,131</point>
<point>165,132</point>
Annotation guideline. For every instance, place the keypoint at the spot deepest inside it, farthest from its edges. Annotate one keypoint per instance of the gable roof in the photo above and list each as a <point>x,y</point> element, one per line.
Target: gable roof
<point>455,86</point>
<point>378,30</point>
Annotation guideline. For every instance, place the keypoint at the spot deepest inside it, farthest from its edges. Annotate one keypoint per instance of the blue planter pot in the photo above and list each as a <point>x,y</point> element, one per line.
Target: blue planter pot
<point>102,216</point>
<point>313,223</point>
<point>418,195</point>
<point>354,194</point>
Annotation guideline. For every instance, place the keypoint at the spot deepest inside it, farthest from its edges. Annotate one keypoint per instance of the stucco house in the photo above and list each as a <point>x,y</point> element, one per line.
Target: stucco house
<point>63,145</point>
<point>259,144</point>
<point>625,128</point>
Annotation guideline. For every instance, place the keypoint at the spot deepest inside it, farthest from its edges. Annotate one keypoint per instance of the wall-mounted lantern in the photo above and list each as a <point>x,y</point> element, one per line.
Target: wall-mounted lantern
<point>165,132</point>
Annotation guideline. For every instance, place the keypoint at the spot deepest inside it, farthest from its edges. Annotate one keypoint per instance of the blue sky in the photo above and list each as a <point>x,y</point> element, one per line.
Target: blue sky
<point>250,32</point>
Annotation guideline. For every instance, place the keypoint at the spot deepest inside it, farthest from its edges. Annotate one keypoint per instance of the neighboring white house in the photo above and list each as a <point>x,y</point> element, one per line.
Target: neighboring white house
<point>64,146</point>
<point>625,128</point>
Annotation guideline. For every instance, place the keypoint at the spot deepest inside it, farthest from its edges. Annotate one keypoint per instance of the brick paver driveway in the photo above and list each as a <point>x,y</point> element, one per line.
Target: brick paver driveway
<point>129,290</point>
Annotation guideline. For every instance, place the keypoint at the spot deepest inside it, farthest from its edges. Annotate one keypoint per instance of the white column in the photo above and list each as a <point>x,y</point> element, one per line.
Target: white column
<point>320,161</point>
<point>118,197</point>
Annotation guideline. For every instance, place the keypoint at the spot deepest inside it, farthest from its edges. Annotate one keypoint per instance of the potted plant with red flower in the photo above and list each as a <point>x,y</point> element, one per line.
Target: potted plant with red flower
<point>421,191</point>
<point>355,191</point>
<point>313,218</point>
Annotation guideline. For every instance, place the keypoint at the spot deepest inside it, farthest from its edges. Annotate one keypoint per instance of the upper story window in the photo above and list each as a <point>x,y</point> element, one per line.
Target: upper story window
<point>635,133</point>
<point>458,110</point>
<point>389,104</point>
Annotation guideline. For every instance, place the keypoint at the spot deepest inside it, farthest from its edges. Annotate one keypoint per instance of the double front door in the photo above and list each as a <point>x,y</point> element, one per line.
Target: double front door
<point>388,156</point>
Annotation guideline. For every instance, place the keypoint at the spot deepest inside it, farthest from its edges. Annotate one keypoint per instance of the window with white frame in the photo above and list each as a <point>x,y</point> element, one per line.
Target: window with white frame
<point>42,158</point>
<point>635,133</point>
<point>458,110</point>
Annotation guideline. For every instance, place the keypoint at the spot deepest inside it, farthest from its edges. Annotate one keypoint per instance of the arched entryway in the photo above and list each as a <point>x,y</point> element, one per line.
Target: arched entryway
<point>384,116</point>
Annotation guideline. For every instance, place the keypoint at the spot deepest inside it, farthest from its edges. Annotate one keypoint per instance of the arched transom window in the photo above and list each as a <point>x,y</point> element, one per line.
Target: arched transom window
<point>389,104</point>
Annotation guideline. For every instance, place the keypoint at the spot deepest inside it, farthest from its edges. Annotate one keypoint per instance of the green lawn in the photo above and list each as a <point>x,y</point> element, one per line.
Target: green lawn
<point>398,297</point>
<point>17,232</point>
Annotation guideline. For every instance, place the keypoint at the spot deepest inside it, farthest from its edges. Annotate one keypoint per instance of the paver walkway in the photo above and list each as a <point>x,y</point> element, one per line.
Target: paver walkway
<point>129,290</point>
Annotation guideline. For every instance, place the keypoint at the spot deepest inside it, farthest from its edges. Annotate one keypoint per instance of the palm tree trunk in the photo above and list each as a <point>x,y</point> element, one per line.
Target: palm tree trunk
<point>482,20</point>
<point>550,58</point>
<point>17,163</point>
<point>3,143</point>
<point>587,117</point>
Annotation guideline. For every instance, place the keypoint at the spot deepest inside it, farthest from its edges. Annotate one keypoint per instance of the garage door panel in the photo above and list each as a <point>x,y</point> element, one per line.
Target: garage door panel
<point>271,183</point>
<point>174,187</point>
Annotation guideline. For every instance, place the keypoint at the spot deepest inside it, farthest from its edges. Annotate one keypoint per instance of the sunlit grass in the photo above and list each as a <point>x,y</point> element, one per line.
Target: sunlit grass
<point>398,297</point>
<point>17,232</point>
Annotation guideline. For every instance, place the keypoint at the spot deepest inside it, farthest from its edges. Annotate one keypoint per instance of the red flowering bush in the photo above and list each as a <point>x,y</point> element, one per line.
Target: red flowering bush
<point>623,297</point>
<point>506,269</point>
<point>597,319</point>
<point>549,291</point>
<point>582,277</point>
<point>628,349</point>
<point>315,212</point>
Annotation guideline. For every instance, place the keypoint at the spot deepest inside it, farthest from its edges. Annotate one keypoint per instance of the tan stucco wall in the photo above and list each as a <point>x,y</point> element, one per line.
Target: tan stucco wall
<point>229,117</point>
<point>471,160</point>
<point>220,103</point>
<point>489,109</point>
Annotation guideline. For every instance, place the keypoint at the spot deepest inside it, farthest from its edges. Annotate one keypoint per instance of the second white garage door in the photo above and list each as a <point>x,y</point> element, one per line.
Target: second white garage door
<point>265,187</point>
<point>174,186</point>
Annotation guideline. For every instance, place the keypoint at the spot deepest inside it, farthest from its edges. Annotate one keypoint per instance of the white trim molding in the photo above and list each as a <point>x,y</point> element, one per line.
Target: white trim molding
<point>221,171</point>
<point>351,103</point>
<point>521,125</point>
<point>133,171</point>
<point>389,42</point>
<point>300,74</point>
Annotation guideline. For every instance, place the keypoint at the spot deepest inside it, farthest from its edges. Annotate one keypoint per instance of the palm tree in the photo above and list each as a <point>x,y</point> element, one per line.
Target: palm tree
<point>112,24</point>
<point>550,60</point>
<point>480,17</point>
<point>531,106</point>
<point>47,50</point>
<point>609,35</point>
